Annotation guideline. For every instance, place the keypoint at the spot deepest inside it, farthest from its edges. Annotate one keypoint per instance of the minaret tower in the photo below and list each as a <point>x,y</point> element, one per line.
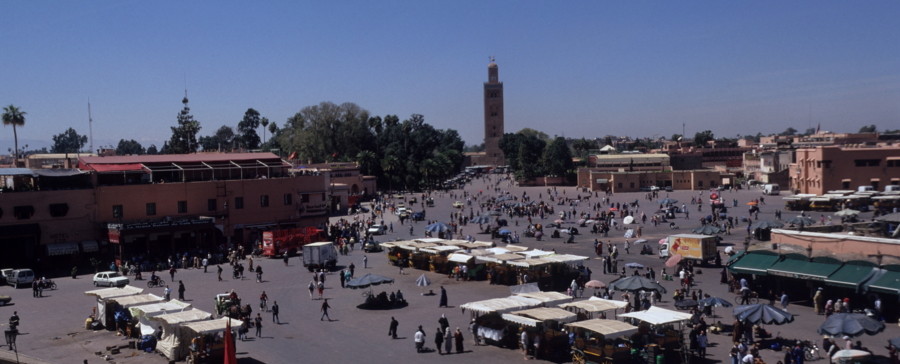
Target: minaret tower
<point>493,116</point>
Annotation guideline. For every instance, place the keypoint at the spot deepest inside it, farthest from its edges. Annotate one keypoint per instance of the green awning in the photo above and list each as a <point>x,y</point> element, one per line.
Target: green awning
<point>752,263</point>
<point>887,283</point>
<point>802,269</point>
<point>851,276</point>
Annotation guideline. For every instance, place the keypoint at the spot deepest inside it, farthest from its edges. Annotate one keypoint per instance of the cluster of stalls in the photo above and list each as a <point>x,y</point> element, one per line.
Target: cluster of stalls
<point>838,200</point>
<point>579,331</point>
<point>508,265</point>
<point>861,281</point>
<point>179,330</point>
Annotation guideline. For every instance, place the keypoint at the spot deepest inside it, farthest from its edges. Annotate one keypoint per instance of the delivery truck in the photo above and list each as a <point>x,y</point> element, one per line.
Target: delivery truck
<point>690,246</point>
<point>288,241</point>
<point>320,255</point>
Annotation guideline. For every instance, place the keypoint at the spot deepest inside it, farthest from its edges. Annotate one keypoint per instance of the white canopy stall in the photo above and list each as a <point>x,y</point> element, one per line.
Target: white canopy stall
<point>500,305</point>
<point>607,328</point>
<point>212,329</point>
<point>658,316</point>
<point>170,344</point>
<point>460,258</point>
<point>547,299</point>
<point>594,305</point>
<point>143,312</point>
<point>538,316</point>
<point>498,258</point>
<point>105,294</point>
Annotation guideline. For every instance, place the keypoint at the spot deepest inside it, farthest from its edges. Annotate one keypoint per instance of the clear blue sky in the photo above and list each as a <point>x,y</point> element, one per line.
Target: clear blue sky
<point>573,68</point>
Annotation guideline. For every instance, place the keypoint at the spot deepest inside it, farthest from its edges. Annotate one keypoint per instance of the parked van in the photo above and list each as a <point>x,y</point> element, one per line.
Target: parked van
<point>19,277</point>
<point>865,189</point>
<point>771,189</point>
<point>892,188</point>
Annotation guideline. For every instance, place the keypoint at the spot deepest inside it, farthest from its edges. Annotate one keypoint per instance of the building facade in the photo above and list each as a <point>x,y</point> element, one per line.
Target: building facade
<point>825,168</point>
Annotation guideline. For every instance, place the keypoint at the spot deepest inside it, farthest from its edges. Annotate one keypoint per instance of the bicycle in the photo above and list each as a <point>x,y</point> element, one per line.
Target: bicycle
<point>753,299</point>
<point>159,282</point>
<point>264,305</point>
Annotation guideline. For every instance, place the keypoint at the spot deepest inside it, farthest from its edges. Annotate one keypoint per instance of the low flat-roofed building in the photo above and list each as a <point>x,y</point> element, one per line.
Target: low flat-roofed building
<point>820,169</point>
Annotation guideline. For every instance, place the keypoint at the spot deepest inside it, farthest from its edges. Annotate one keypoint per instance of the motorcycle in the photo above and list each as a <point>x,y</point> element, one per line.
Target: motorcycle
<point>158,282</point>
<point>47,284</point>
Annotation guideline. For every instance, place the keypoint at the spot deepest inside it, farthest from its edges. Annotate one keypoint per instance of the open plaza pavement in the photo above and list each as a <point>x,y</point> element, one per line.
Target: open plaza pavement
<point>53,331</point>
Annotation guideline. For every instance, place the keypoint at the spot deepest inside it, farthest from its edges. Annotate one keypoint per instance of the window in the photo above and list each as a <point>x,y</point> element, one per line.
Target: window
<point>211,204</point>
<point>699,183</point>
<point>893,163</point>
<point>23,212</point>
<point>288,199</point>
<point>867,162</point>
<point>845,185</point>
<point>59,209</point>
<point>304,198</point>
<point>238,203</point>
<point>182,207</point>
<point>264,201</point>
<point>118,212</point>
<point>151,208</point>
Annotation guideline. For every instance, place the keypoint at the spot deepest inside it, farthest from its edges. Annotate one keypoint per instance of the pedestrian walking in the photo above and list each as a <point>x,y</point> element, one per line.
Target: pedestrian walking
<point>259,273</point>
<point>702,343</point>
<point>219,271</point>
<point>325,307</point>
<point>167,293</point>
<point>181,290</point>
<point>312,288</point>
<point>443,302</point>
<point>205,264</point>
<point>392,329</point>
<point>784,300</point>
<point>321,289</point>
<point>34,288</point>
<point>258,323</point>
<point>448,341</point>
<point>286,260</point>
<point>439,340</point>
<point>458,339</point>
<point>275,318</point>
<point>419,339</point>
<point>342,278</point>
<point>172,273</point>
<point>365,261</point>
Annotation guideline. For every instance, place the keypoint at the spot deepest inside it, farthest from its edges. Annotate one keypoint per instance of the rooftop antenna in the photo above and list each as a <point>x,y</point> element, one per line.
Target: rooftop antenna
<point>90,125</point>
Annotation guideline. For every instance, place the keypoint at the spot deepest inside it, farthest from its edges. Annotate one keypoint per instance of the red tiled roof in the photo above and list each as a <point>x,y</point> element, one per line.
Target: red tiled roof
<point>176,158</point>
<point>116,167</point>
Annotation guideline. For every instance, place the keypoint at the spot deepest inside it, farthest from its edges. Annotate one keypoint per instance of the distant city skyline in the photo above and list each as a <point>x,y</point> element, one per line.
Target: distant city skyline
<point>574,69</point>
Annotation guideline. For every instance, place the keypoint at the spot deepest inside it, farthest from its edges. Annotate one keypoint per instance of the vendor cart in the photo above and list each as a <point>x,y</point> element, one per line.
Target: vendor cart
<point>601,341</point>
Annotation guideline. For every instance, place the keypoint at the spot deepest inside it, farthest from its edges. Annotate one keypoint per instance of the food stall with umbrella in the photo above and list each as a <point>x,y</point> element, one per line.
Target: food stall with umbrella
<point>601,341</point>
<point>122,319</point>
<point>545,322</point>
<point>142,313</point>
<point>169,345</point>
<point>380,301</point>
<point>850,324</point>
<point>437,258</point>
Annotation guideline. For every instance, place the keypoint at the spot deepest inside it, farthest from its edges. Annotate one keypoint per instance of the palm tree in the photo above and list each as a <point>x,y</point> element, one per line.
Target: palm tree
<point>13,116</point>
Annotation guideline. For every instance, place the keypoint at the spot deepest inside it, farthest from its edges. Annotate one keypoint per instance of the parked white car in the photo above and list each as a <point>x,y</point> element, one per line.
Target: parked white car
<point>110,279</point>
<point>377,230</point>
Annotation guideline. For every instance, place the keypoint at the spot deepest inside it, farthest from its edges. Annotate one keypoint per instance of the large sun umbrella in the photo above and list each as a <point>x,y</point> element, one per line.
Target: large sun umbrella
<point>438,227</point>
<point>850,324</point>
<point>715,302</point>
<point>707,230</point>
<point>368,280</point>
<point>766,225</point>
<point>668,201</point>
<point>685,304</point>
<point>636,283</point>
<point>594,284</point>
<point>495,213</point>
<point>801,220</point>
<point>762,313</point>
<point>846,212</point>
<point>504,232</point>
<point>674,260</point>
<point>482,219</point>
<point>628,220</point>
<point>895,341</point>
<point>634,265</point>
<point>849,354</point>
<point>640,241</point>
<point>423,281</point>
<point>559,221</point>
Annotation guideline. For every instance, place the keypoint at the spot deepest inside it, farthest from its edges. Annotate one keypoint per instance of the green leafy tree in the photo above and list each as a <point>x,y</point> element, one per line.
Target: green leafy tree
<point>151,150</point>
<point>703,137</point>
<point>789,131</point>
<point>15,117</point>
<point>809,131</point>
<point>557,159</point>
<point>222,140</point>
<point>865,129</point>
<point>246,129</point>
<point>129,147</point>
<point>264,122</point>
<point>582,146</point>
<point>68,142</point>
<point>184,135</point>
<point>676,137</point>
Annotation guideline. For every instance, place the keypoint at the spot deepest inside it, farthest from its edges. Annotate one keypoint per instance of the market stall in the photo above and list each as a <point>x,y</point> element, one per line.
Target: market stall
<point>104,294</point>
<point>547,299</point>
<point>660,332</point>
<point>601,341</point>
<point>545,324</point>
<point>142,313</point>
<point>588,308</point>
<point>170,344</point>
<point>206,339</point>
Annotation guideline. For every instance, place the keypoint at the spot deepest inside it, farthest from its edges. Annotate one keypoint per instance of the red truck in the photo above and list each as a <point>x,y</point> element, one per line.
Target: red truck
<point>289,241</point>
